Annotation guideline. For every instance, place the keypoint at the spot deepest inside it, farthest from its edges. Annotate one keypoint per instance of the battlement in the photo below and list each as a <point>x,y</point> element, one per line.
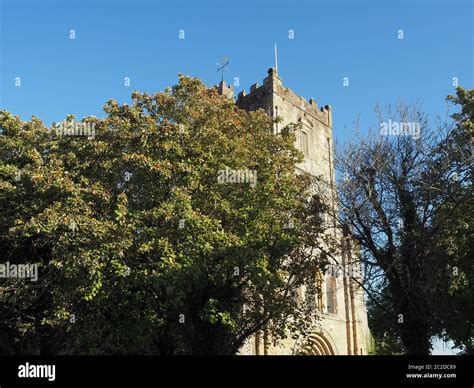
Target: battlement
<point>261,96</point>
<point>225,90</point>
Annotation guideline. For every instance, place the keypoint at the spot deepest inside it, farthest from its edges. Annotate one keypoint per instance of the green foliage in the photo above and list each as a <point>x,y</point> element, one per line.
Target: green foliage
<point>140,248</point>
<point>408,202</point>
<point>455,249</point>
<point>386,338</point>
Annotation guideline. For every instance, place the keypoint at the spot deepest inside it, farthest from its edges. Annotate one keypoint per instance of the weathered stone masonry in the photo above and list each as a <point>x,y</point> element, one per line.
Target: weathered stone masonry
<point>343,328</point>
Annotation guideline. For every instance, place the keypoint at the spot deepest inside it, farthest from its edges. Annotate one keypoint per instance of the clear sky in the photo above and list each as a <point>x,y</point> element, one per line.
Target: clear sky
<point>140,40</point>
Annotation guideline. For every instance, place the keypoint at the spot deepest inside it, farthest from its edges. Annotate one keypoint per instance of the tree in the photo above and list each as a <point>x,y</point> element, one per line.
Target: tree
<point>174,226</point>
<point>397,196</point>
<point>455,247</point>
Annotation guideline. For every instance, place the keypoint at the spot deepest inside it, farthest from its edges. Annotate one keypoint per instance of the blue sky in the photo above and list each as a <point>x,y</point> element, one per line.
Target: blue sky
<point>140,40</point>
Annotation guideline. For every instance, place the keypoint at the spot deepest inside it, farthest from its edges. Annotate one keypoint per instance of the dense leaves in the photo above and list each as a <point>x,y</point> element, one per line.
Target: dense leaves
<point>141,247</point>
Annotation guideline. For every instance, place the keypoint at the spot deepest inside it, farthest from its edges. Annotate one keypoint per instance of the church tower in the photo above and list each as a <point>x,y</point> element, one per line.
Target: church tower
<point>314,139</point>
<point>343,328</point>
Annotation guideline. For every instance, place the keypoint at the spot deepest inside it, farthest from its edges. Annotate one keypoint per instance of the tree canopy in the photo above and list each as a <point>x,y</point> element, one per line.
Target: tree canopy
<point>166,229</point>
<point>406,197</point>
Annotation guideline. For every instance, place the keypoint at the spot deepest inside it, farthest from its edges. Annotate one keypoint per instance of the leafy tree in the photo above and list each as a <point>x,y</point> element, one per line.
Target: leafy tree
<point>397,197</point>
<point>455,247</point>
<point>144,244</point>
<point>386,338</point>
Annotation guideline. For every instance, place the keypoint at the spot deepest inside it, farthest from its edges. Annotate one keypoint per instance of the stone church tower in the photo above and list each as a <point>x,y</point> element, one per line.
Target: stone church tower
<point>343,328</point>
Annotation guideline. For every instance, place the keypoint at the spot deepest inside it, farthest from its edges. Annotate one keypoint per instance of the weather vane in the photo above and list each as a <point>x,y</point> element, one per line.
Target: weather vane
<point>222,66</point>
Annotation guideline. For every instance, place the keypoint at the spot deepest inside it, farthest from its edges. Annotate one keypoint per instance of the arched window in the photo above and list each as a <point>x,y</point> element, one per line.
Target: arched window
<point>331,294</point>
<point>319,296</point>
<point>317,207</point>
<point>304,144</point>
<point>314,291</point>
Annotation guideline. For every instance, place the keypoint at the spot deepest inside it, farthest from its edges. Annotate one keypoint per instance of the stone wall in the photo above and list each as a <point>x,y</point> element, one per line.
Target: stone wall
<point>345,331</point>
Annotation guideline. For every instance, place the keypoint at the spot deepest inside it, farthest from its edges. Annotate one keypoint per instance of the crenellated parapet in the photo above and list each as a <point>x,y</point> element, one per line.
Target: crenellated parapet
<point>261,96</point>
<point>225,90</point>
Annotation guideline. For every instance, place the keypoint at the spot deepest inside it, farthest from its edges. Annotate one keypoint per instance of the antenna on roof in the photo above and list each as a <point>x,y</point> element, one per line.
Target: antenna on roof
<point>276,58</point>
<point>223,66</point>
